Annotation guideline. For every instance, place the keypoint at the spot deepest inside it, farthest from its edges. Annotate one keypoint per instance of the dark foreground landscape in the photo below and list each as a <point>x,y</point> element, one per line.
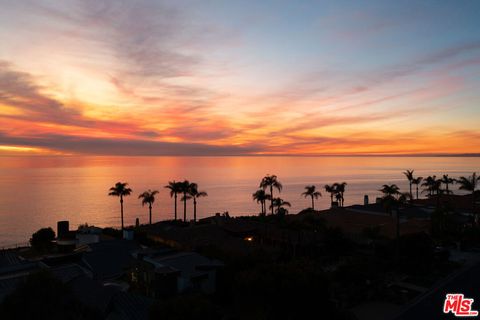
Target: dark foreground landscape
<point>395,258</point>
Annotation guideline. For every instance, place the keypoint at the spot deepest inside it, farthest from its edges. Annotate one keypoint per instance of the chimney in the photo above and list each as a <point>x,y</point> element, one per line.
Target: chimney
<point>62,229</point>
<point>365,200</point>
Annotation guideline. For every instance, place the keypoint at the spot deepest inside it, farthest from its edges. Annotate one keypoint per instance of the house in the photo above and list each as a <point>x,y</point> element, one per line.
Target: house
<point>164,274</point>
<point>110,259</point>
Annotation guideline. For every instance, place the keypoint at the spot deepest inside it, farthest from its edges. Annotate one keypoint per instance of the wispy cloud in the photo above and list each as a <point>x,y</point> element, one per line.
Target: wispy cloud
<point>160,77</point>
<point>102,146</point>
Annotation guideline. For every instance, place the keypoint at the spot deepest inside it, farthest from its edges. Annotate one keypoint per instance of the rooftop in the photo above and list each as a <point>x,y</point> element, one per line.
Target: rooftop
<point>109,259</point>
<point>188,263</point>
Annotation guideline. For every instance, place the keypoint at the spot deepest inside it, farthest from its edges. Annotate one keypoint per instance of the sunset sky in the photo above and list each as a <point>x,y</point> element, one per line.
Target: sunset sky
<point>239,77</point>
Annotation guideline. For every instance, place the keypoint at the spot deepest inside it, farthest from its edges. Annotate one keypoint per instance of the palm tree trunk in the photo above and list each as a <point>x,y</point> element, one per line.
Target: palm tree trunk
<point>313,205</point>
<point>397,244</point>
<point>271,197</point>
<point>121,210</point>
<point>150,212</point>
<point>417,191</point>
<point>175,206</point>
<point>331,198</point>
<point>411,195</point>
<point>194,210</point>
<point>475,216</point>
<point>184,207</point>
<point>398,224</point>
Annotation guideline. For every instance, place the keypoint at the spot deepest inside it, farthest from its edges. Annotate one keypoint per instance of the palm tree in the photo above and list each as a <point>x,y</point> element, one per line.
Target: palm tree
<point>310,191</point>
<point>469,184</point>
<point>416,182</point>
<point>175,189</point>
<point>390,192</point>
<point>338,197</point>
<point>340,189</point>
<point>261,196</point>
<point>432,185</point>
<point>446,180</point>
<point>279,203</point>
<point>148,197</point>
<point>410,177</point>
<point>184,188</point>
<point>330,189</point>
<point>389,196</point>
<point>195,194</point>
<point>271,181</point>
<point>120,190</point>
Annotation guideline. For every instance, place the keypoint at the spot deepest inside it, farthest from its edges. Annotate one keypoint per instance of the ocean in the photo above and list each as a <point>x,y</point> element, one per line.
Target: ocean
<point>37,191</point>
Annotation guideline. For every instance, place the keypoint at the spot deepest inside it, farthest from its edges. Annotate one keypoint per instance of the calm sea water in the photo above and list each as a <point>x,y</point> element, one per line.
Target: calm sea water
<point>38,191</point>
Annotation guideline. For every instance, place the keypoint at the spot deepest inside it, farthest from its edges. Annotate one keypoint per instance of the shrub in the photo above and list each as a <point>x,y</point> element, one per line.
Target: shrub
<point>42,239</point>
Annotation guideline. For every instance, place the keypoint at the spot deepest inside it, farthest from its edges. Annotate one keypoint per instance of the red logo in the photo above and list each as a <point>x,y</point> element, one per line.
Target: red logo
<point>460,306</point>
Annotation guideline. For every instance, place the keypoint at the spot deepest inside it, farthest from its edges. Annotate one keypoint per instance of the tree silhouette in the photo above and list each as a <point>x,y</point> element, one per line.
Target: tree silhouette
<point>184,188</point>
<point>432,185</point>
<point>389,192</point>
<point>148,197</point>
<point>175,189</point>
<point>195,194</point>
<point>338,197</point>
<point>310,191</point>
<point>279,204</point>
<point>330,189</point>
<point>340,189</point>
<point>410,177</point>
<point>470,184</point>
<point>416,181</point>
<point>271,181</point>
<point>120,190</point>
<point>261,196</point>
<point>393,198</point>
<point>446,180</point>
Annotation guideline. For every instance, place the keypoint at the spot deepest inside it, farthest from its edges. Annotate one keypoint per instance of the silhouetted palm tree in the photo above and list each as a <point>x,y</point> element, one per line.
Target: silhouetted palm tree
<point>340,189</point>
<point>401,200</point>
<point>312,193</point>
<point>330,189</point>
<point>261,196</point>
<point>280,204</point>
<point>416,182</point>
<point>195,194</point>
<point>389,191</point>
<point>148,197</point>
<point>338,197</point>
<point>469,184</point>
<point>393,198</point>
<point>410,177</point>
<point>446,180</point>
<point>271,181</point>
<point>120,190</point>
<point>432,185</point>
<point>175,189</point>
<point>184,188</point>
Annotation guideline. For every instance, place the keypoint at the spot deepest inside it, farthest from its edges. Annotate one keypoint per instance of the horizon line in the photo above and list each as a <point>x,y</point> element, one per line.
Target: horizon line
<point>412,155</point>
